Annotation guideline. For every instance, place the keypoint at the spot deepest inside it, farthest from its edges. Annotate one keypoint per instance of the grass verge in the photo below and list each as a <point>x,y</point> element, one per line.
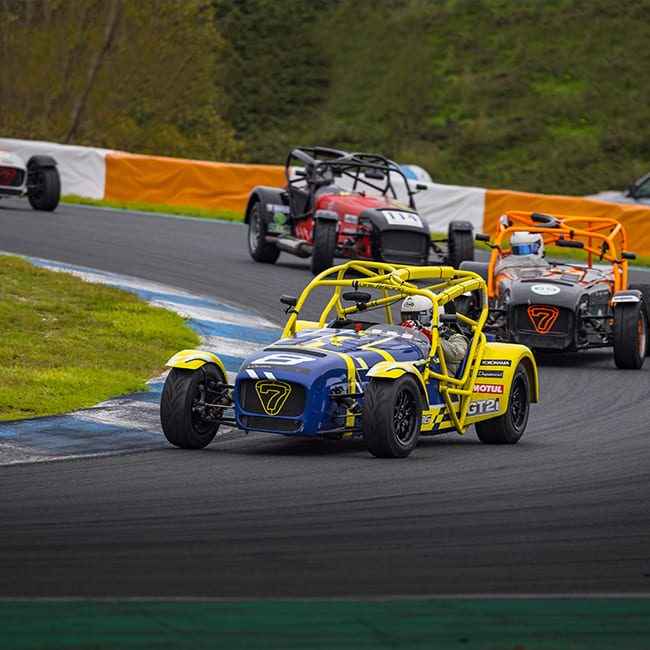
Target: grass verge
<point>180,210</point>
<point>67,344</point>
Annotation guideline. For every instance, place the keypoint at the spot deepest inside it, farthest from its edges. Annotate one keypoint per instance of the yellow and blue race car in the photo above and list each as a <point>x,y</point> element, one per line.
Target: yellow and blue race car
<point>356,372</point>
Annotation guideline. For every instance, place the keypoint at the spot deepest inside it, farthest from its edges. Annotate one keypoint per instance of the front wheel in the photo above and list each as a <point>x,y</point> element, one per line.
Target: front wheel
<point>188,420</point>
<point>461,246</point>
<point>43,187</point>
<point>508,428</point>
<point>325,237</point>
<point>392,414</point>
<point>630,335</point>
<point>259,248</point>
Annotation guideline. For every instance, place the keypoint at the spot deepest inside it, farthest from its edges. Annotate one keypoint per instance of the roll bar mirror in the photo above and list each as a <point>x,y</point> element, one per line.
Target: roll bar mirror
<point>569,243</point>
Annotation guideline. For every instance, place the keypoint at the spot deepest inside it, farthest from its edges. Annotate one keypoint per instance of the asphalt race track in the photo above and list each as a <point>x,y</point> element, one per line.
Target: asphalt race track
<point>563,512</point>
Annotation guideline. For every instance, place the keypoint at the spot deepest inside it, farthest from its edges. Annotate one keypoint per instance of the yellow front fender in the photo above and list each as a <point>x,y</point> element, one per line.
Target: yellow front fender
<point>394,370</point>
<point>194,359</point>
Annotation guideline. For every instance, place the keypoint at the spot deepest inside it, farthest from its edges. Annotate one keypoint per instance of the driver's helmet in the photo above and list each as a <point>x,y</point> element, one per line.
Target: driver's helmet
<point>527,243</point>
<point>417,308</point>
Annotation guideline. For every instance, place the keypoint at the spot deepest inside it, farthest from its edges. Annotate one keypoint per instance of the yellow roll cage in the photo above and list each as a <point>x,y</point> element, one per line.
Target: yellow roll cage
<point>395,281</point>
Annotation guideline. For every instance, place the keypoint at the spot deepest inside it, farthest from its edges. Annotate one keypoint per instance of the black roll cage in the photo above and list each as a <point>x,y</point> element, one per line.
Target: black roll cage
<point>342,163</point>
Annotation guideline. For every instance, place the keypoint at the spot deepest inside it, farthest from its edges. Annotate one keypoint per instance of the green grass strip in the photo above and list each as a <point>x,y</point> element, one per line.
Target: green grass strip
<point>479,624</point>
<point>157,208</point>
<point>67,344</point>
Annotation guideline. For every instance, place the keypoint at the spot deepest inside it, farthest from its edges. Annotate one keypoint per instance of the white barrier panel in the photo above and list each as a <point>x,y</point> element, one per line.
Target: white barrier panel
<point>82,169</point>
<point>440,204</point>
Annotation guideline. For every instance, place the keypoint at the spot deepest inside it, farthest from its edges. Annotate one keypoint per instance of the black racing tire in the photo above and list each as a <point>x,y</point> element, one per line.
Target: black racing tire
<point>508,428</point>
<point>324,247</point>
<point>43,187</point>
<point>392,416</point>
<point>259,248</point>
<point>630,335</point>
<point>461,246</point>
<point>183,389</point>
<point>645,292</point>
<point>481,268</point>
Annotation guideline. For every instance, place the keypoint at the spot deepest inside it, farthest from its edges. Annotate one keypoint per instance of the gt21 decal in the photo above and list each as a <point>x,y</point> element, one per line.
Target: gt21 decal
<point>397,218</point>
<point>483,407</point>
<point>496,362</point>
<point>494,389</point>
<point>491,374</point>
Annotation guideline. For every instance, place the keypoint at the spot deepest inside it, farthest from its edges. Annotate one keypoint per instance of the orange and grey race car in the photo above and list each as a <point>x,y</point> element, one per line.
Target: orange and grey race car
<point>552,305</point>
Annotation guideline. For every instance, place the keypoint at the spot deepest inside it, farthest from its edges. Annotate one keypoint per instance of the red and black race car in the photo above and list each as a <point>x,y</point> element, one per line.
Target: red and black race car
<point>564,305</point>
<point>353,205</point>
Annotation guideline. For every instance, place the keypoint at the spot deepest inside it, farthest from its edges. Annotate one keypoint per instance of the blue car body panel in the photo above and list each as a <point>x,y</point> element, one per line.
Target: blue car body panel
<point>286,387</point>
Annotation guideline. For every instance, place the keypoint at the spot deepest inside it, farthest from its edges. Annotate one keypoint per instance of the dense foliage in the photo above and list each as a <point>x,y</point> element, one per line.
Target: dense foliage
<point>541,96</point>
<point>140,75</point>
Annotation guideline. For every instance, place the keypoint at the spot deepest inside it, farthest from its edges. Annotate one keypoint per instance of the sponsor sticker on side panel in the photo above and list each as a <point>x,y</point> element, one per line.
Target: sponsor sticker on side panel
<point>493,389</point>
<point>490,374</point>
<point>496,362</point>
<point>483,407</point>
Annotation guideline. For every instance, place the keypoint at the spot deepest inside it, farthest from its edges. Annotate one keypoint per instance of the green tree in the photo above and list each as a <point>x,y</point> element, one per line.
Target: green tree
<point>274,72</point>
<point>140,75</point>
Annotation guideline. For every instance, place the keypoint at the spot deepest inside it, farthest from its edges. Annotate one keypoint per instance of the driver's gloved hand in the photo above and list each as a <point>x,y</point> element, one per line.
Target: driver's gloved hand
<point>412,324</point>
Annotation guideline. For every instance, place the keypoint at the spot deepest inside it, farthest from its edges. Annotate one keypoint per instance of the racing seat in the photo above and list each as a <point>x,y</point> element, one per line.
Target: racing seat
<point>299,201</point>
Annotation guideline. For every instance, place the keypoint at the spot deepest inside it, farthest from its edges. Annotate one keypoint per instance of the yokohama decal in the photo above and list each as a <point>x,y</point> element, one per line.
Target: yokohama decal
<point>493,389</point>
<point>543,317</point>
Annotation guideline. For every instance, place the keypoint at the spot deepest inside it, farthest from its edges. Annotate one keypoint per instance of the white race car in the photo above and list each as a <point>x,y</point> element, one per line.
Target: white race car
<point>39,179</point>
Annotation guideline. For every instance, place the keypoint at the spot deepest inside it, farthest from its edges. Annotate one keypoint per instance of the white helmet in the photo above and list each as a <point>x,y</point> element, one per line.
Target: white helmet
<point>527,243</point>
<point>418,308</point>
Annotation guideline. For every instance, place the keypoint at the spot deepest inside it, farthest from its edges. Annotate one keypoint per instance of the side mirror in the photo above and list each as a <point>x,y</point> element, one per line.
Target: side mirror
<point>628,255</point>
<point>448,318</point>
<point>569,243</point>
<point>300,173</point>
<point>420,186</point>
<point>291,301</point>
<point>375,174</point>
<point>482,237</point>
<point>357,296</point>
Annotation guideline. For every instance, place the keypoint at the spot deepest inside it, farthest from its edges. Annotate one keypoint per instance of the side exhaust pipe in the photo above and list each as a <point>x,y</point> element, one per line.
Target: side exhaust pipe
<point>291,245</point>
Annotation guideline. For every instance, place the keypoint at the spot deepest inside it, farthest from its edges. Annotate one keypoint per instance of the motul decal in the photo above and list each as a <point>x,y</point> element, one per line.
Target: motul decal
<point>493,389</point>
<point>543,317</point>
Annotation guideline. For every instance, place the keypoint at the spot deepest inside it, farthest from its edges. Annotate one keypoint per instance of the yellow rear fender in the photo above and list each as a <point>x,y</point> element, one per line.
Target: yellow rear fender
<point>395,370</point>
<point>194,359</point>
<point>491,392</point>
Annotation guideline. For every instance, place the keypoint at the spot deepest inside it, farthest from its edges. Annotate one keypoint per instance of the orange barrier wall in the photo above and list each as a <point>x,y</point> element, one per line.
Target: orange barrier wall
<point>175,181</point>
<point>635,218</point>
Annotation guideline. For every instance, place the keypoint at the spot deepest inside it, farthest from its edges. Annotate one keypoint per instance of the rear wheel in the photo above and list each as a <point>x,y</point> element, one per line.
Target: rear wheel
<point>184,412</point>
<point>325,236</point>
<point>392,414</point>
<point>461,246</point>
<point>43,187</point>
<point>508,428</point>
<point>259,248</point>
<point>630,335</point>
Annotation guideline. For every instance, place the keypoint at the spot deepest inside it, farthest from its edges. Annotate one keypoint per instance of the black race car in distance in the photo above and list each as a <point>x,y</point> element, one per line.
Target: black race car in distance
<point>565,305</point>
